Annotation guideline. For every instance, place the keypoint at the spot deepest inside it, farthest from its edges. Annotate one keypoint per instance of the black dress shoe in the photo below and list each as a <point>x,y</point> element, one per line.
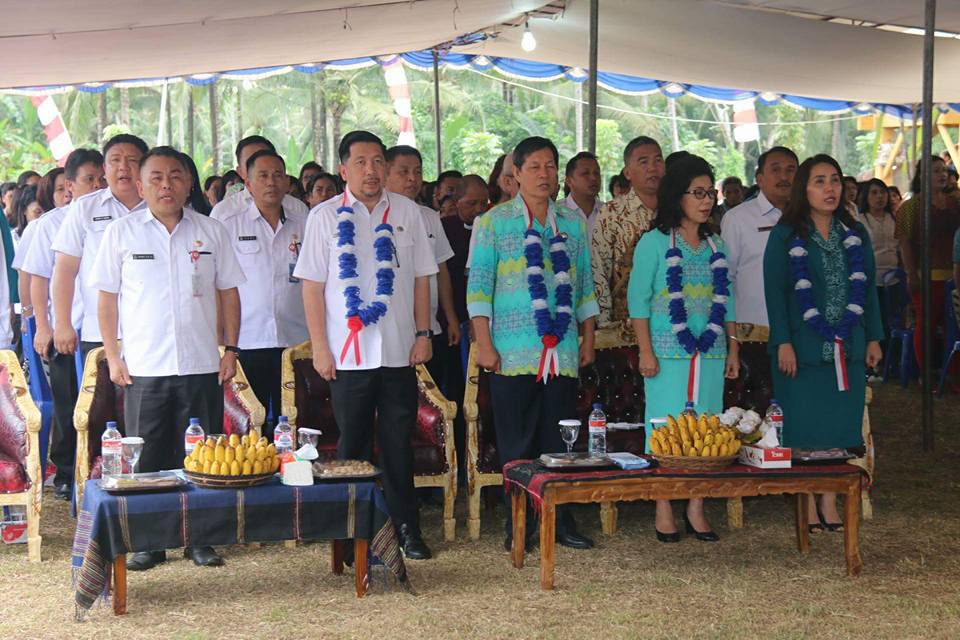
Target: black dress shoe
<point>830,526</point>
<point>63,492</point>
<point>703,536</point>
<point>574,540</point>
<point>667,537</point>
<point>203,556</point>
<point>412,544</point>
<point>143,560</point>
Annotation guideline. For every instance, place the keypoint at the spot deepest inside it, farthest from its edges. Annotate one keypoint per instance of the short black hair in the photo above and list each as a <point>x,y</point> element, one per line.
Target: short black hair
<point>80,157</point>
<point>6,187</point>
<point>209,181</point>
<point>249,140</point>
<point>572,162</point>
<point>46,188</point>
<point>674,157</point>
<point>395,152</point>
<point>676,181</point>
<point>310,164</point>
<point>730,180</point>
<point>164,151</point>
<point>26,195</point>
<point>352,138</point>
<point>469,179</point>
<point>126,138</point>
<point>449,173</point>
<point>762,160</point>
<point>532,145</point>
<point>265,153</point>
<point>847,179</point>
<point>323,175</point>
<point>639,141</point>
<point>617,180</point>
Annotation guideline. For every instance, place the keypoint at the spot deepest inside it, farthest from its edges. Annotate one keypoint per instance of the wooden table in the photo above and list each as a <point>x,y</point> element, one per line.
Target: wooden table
<point>361,569</point>
<point>703,484</point>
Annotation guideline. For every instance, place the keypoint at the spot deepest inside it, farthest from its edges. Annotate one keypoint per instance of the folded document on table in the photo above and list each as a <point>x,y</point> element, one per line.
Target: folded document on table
<point>628,460</point>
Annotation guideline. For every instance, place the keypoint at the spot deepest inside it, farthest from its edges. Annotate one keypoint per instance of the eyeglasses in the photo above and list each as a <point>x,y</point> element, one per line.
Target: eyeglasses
<point>700,193</point>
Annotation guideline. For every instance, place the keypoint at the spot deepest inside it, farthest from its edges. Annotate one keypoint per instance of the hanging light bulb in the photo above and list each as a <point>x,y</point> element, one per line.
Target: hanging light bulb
<point>528,42</point>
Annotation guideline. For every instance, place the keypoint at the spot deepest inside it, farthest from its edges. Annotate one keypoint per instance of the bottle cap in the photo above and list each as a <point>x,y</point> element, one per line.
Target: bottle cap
<point>597,405</point>
<point>194,421</point>
<point>111,424</point>
<point>282,418</point>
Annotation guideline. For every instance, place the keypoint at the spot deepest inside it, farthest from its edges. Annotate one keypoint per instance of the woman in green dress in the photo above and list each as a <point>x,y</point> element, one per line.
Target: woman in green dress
<point>701,289</point>
<point>820,289</point>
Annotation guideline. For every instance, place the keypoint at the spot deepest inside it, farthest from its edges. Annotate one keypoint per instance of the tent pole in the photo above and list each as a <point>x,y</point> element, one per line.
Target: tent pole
<point>592,78</point>
<point>436,109</point>
<point>930,19</point>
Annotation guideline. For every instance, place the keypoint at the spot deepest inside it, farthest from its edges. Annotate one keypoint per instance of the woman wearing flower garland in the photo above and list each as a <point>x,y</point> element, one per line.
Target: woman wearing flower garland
<point>682,311</point>
<point>825,323</point>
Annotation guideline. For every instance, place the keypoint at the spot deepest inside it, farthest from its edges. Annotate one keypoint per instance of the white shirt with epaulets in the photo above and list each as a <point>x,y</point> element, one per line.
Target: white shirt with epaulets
<point>40,258</point>
<point>271,300</point>
<point>167,330</point>
<point>239,201</point>
<point>79,236</point>
<point>388,342</point>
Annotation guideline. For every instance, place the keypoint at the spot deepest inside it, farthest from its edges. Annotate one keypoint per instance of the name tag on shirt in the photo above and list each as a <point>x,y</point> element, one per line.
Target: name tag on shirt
<point>142,256</point>
<point>246,238</point>
<point>762,229</point>
<point>102,218</point>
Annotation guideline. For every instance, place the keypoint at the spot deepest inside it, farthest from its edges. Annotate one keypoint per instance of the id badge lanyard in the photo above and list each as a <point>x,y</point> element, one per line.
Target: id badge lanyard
<point>294,248</point>
<point>195,281</point>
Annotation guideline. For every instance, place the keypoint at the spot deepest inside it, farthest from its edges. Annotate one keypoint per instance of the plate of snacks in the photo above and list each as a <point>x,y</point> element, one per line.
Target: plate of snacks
<point>344,470</point>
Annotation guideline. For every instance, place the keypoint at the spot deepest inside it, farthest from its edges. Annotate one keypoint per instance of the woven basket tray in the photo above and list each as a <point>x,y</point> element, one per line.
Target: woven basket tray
<point>696,462</point>
<point>226,482</point>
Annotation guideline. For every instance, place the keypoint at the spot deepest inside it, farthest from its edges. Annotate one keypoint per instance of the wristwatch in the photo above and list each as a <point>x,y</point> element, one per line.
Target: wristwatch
<point>232,349</point>
<point>426,333</point>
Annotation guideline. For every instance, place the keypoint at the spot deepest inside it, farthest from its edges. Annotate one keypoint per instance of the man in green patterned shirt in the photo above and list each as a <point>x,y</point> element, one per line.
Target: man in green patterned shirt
<point>501,305</point>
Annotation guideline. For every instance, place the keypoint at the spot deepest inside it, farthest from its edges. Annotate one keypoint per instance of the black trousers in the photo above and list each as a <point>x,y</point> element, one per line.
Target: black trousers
<point>388,394</point>
<point>63,440</point>
<point>158,409</point>
<point>262,368</point>
<point>526,414</point>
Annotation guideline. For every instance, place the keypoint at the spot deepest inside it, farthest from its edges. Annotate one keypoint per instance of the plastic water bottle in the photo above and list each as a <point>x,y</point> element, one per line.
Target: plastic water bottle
<point>774,418</point>
<point>192,436</point>
<point>283,435</point>
<point>597,442</point>
<point>689,410</point>
<point>111,451</point>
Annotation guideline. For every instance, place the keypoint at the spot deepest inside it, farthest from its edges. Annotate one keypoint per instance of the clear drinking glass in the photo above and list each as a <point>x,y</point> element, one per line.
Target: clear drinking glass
<point>307,436</point>
<point>569,430</point>
<point>131,448</point>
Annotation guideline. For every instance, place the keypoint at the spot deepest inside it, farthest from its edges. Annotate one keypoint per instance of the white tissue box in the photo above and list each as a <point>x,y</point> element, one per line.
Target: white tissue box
<point>297,473</point>
<point>774,458</point>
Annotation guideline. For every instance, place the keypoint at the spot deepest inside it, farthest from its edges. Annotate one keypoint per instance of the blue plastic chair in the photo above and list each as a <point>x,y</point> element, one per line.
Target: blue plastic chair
<point>895,295</point>
<point>951,335</point>
<point>39,390</point>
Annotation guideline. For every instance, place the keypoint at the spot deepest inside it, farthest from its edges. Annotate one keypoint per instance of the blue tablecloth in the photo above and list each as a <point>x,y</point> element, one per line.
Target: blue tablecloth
<point>111,525</point>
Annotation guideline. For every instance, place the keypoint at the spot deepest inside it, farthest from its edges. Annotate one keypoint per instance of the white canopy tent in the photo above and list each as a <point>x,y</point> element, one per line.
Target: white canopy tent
<point>733,45</point>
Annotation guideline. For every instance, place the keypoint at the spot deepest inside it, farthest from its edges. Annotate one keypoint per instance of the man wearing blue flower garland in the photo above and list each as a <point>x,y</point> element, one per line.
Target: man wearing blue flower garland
<point>366,264</point>
<point>530,288</point>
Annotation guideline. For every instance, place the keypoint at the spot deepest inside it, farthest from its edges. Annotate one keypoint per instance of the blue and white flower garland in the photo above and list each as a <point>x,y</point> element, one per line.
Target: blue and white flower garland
<point>550,329</point>
<point>856,298</point>
<point>678,310</point>
<point>359,316</point>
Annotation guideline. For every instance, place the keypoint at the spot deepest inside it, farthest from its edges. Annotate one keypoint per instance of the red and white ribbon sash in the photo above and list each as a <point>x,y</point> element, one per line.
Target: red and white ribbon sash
<point>840,365</point>
<point>549,360</point>
<point>693,379</point>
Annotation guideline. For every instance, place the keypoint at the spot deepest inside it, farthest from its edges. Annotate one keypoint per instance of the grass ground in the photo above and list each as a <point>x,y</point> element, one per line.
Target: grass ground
<point>752,584</point>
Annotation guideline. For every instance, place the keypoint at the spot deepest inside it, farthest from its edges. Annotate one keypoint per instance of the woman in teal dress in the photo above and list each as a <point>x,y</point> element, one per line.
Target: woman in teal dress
<point>686,198</point>
<point>818,248</point>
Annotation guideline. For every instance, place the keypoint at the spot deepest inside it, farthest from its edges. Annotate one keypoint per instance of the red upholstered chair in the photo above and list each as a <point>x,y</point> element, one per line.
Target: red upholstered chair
<point>20,478</point>
<point>101,401</point>
<point>306,402</point>
<point>613,380</point>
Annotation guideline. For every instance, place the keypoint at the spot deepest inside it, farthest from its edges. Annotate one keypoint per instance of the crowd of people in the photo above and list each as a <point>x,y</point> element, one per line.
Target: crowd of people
<point>383,271</point>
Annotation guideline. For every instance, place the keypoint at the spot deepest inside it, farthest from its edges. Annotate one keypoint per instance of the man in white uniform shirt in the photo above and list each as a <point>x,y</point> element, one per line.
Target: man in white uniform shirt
<point>78,240</point>
<point>267,240</point>
<point>368,312</point>
<point>405,176</point>
<point>241,200</point>
<point>160,273</point>
<point>582,177</point>
<point>745,230</point>
<point>83,172</point>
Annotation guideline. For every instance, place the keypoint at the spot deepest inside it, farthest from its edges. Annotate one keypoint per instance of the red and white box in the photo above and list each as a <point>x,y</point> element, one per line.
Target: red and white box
<point>775,458</point>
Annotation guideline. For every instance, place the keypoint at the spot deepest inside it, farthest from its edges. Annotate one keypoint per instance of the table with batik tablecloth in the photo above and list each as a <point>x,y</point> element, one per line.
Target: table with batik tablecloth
<point>110,526</point>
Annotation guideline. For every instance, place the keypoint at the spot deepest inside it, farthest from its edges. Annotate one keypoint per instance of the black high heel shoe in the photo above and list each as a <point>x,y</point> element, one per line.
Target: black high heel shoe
<point>830,526</point>
<point>667,537</point>
<point>704,536</point>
